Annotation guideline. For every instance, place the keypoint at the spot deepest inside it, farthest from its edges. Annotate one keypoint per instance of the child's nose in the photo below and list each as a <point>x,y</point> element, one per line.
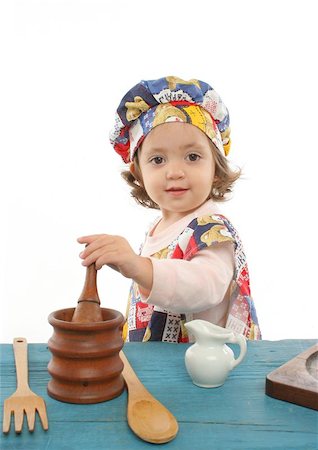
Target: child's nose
<point>175,172</point>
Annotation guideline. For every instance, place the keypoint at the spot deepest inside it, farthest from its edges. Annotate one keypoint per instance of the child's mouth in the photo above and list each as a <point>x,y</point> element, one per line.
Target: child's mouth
<point>176,191</point>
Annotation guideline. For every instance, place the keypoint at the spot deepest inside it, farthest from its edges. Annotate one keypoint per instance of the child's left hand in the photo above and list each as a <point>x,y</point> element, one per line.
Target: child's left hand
<point>116,252</point>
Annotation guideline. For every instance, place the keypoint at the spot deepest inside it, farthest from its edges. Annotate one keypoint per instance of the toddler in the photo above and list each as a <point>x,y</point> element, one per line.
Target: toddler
<point>175,136</point>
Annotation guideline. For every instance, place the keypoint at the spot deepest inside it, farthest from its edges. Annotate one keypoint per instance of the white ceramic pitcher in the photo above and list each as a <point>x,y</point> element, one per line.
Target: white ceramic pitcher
<point>210,360</point>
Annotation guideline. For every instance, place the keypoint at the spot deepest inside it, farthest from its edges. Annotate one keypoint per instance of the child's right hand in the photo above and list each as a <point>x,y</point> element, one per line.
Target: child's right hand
<point>116,252</point>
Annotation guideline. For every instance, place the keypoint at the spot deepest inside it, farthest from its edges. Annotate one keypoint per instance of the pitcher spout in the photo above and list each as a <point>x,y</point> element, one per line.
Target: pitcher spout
<point>205,331</point>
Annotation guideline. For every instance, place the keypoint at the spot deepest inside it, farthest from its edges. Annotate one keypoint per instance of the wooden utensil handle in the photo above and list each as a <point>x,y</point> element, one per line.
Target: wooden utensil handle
<point>90,293</point>
<point>88,305</point>
<point>130,376</point>
<point>20,348</point>
<point>127,370</point>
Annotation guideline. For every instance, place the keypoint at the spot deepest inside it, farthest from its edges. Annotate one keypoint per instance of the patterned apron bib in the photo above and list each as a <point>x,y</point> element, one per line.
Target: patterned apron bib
<point>152,323</point>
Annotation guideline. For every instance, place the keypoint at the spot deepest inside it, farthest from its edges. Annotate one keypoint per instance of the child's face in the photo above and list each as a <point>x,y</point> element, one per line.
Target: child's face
<point>177,167</point>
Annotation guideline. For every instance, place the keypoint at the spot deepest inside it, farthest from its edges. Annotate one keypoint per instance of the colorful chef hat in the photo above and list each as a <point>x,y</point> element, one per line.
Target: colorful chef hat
<point>170,99</point>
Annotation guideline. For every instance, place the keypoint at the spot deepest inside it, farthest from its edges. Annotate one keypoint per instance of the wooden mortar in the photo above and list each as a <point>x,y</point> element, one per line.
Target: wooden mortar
<point>85,366</point>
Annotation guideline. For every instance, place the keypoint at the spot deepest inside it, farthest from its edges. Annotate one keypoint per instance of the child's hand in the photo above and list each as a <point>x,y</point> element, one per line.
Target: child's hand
<point>116,252</point>
<point>104,249</point>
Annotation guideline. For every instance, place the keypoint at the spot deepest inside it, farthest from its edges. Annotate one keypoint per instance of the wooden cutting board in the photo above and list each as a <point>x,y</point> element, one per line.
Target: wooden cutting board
<point>297,380</point>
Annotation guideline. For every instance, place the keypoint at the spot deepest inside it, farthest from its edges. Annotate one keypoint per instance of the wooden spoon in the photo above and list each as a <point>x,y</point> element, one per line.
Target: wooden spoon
<point>147,417</point>
<point>88,305</point>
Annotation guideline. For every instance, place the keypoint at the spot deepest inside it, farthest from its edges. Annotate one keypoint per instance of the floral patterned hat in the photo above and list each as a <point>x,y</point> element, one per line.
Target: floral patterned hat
<point>170,99</point>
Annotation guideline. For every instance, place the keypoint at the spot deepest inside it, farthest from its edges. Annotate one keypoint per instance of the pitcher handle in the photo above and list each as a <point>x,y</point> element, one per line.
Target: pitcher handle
<point>241,341</point>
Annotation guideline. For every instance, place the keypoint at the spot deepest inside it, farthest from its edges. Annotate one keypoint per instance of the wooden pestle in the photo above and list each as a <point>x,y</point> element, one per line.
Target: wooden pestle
<point>88,305</point>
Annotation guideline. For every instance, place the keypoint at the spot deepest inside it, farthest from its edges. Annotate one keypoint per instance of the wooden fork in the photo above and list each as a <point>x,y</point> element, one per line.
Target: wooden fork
<point>23,400</point>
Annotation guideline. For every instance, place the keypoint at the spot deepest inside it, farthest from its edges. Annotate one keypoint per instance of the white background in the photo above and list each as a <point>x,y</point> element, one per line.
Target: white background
<point>65,66</point>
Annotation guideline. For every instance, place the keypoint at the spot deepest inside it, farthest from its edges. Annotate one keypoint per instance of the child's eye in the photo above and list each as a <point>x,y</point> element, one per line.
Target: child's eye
<point>157,160</point>
<point>193,157</point>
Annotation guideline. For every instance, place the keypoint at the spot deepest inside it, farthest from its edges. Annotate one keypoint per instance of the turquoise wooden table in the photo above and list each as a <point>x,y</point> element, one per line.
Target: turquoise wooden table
<point>237,415</point>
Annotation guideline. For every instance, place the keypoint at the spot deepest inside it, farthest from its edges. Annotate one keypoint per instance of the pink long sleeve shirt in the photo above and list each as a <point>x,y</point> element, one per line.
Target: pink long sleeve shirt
<point>195,267</point>
<point>199,286</point>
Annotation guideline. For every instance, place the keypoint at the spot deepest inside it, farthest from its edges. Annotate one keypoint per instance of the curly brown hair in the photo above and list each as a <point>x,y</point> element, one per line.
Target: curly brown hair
<point>225,178</point>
